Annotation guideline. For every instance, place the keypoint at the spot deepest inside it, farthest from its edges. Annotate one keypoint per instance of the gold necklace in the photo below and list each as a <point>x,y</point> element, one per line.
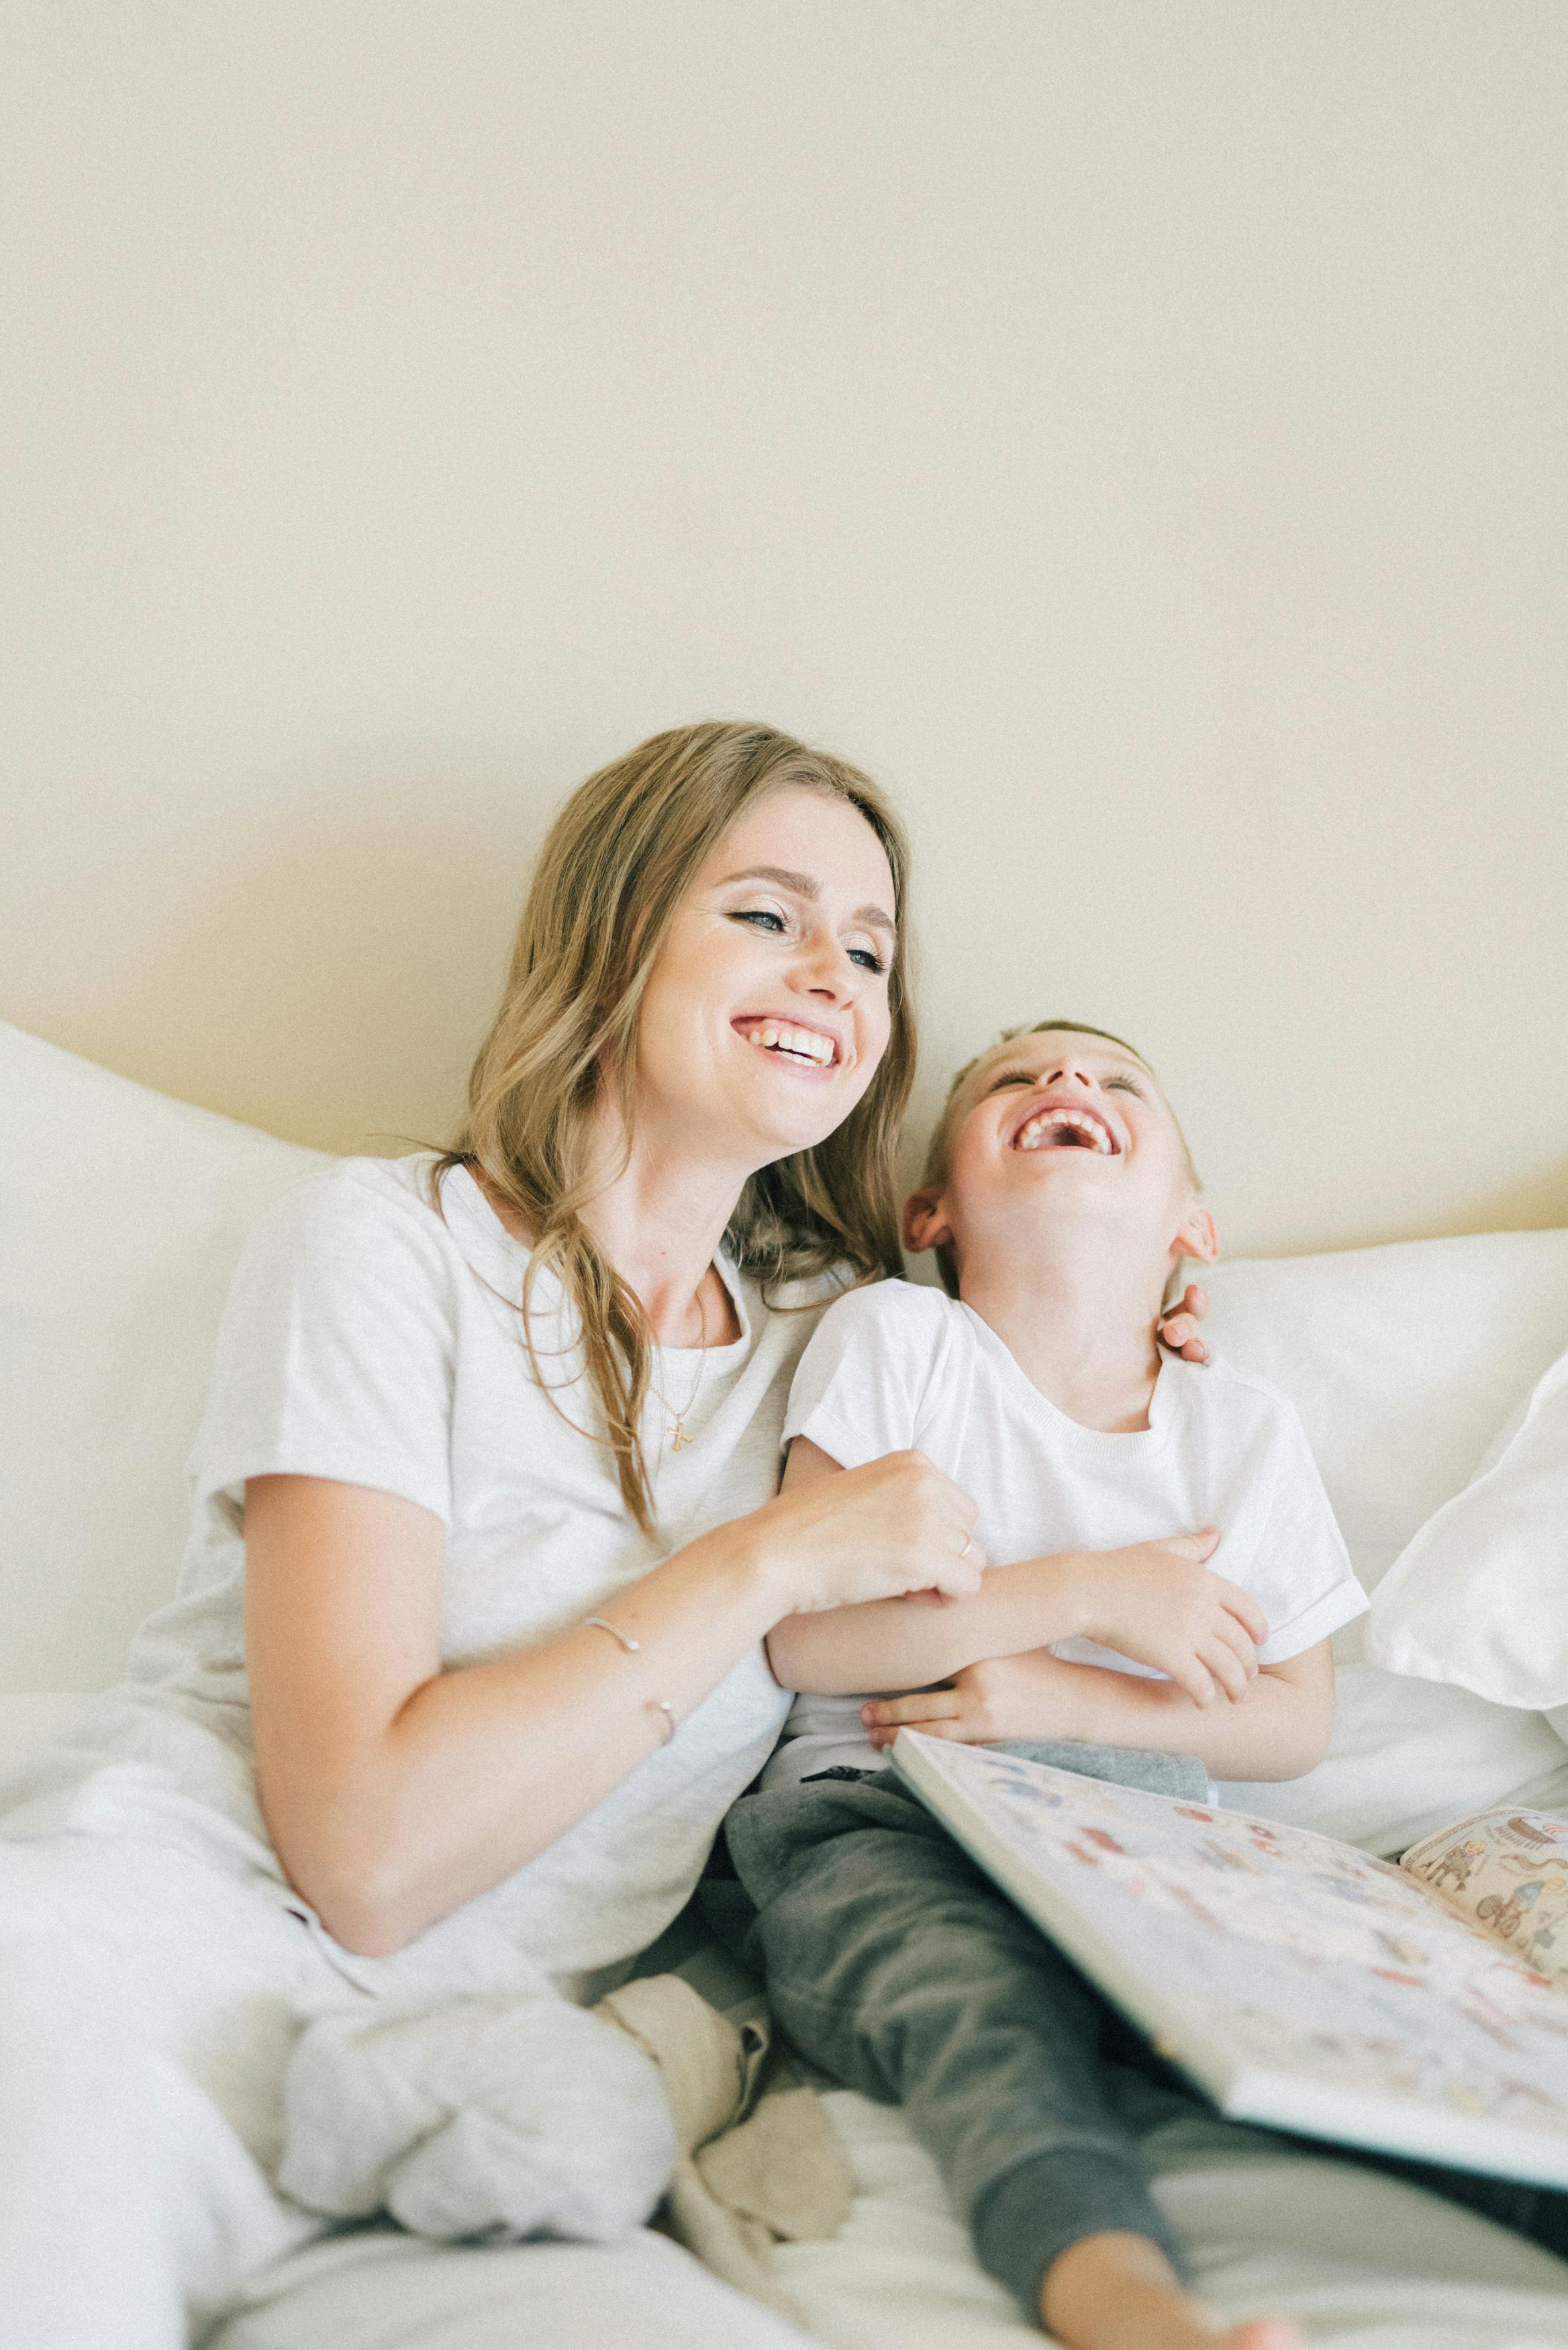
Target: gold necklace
<point>679,1439</point>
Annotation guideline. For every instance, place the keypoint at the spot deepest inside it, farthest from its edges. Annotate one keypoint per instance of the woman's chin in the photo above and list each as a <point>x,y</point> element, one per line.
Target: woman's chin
<point>789,1116</point>
<point>779,1138</point>
<point>781,1144</point>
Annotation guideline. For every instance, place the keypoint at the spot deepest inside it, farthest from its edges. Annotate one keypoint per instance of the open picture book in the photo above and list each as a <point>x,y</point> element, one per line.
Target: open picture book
<point>1421,2009</point>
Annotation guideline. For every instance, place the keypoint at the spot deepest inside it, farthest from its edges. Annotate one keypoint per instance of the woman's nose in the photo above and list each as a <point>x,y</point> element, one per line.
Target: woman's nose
<point>827,970</point>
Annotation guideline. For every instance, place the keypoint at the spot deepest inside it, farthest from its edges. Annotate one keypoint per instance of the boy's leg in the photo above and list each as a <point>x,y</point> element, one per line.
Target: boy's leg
<point>895,1965</point>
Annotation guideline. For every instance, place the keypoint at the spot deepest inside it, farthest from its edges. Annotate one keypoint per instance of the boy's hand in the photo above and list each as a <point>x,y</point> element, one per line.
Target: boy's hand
<point>1027,1695</point>
<point>1178,1328</point>
<point>1157,1603</point>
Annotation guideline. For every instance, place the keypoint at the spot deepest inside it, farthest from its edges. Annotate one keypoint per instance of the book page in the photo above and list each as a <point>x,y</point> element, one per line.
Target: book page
<point>1299,1980</point>
<point>1505,1872</point>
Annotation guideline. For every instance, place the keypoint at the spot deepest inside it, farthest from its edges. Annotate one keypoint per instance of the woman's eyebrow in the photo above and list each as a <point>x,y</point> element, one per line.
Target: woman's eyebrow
<point>803,886</point>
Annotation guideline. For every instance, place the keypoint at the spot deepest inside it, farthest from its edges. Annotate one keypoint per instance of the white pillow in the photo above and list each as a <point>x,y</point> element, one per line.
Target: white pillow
<point>1479,1597</point>
<point>1403,1362</point>
<point>27,1722</point>
<point>121,1218</point>
<point>1409,1756</point>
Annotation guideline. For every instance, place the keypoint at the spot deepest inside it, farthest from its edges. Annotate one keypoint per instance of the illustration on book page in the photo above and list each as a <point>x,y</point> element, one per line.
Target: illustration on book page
<point>1251,1950</point>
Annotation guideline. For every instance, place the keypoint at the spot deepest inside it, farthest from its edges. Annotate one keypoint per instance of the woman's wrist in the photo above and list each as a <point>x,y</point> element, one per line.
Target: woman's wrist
<point>753,1573</point>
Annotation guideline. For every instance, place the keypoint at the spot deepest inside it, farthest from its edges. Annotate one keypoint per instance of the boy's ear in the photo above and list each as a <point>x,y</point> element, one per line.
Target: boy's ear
<point>925,1222</point>
<point>1199,1236</point>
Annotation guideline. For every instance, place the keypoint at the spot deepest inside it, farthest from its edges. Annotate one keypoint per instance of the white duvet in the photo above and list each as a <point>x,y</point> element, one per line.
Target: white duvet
<point>1363,2263</point>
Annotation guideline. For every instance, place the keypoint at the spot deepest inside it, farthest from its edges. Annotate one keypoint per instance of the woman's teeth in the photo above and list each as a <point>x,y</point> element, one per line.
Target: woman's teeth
<point>1041,1131</point>
<point>801,1044</point>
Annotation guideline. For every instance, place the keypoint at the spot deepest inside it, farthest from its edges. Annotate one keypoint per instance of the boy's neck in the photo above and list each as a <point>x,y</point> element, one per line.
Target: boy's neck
<point>1079,1324</point>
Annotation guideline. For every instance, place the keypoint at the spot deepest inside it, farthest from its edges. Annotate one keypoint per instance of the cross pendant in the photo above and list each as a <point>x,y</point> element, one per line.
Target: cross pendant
<point>679,1440</point>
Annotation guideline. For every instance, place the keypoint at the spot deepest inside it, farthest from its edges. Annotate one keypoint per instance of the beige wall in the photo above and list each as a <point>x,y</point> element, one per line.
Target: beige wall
<point>1135,431</point>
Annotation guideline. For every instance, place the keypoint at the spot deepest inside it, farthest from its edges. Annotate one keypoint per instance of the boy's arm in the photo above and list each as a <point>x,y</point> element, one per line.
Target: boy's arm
<point>1155,1601</point>
<point>1279,1730</point>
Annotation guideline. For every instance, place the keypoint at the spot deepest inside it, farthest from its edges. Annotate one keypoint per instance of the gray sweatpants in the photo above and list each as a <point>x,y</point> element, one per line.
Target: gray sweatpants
<point>893,1964</point>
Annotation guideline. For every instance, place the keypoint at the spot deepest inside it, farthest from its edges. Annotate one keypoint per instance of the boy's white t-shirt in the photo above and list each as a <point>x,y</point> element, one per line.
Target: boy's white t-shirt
<point>370,1338</point>
<point>896,1367</point>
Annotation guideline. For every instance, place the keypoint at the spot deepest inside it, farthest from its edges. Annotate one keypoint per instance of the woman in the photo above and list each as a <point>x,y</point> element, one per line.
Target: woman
<point>484,1542</point>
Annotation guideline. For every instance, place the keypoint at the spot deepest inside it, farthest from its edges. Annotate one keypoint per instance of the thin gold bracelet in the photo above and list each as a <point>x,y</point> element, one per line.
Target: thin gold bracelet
<point>603,1624</point>
<point>659,1705</point>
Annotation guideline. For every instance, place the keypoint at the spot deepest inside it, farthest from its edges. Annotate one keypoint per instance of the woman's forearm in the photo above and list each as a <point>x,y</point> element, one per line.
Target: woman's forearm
<point>394,1789</point>
<point>486,1766</point>
<point>892,1644</point>
<point>386,1826</point>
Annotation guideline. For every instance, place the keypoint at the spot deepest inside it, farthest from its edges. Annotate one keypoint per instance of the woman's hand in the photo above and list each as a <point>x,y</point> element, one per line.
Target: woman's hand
<point>1027,1695</point>
<point>1157,1603</point>
<point>849,1535</point>
<point>1178,1328</point>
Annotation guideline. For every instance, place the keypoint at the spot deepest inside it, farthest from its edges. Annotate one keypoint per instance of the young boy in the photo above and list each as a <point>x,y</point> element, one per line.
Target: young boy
<point>1164,1575</point>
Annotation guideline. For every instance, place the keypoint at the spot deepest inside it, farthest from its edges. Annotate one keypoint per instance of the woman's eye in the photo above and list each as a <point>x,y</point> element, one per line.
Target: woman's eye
<point>761,914</point>
<point>868,960</point>
<point>1126,1085</point>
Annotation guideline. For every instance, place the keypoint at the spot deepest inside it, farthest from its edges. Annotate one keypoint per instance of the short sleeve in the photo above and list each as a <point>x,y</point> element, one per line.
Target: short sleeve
<point>337,1347</point>
<point>863,1382</point>
<point>1300,1574</point>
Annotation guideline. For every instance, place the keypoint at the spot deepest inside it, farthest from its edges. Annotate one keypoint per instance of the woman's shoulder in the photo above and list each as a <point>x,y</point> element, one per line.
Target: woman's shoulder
<point>385,1210</point>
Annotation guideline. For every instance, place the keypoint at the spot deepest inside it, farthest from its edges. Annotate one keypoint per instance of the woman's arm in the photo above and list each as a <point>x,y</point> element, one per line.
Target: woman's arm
<point>1279,1730</point>
<point>395,1790</point>
<point>1154,1601</point>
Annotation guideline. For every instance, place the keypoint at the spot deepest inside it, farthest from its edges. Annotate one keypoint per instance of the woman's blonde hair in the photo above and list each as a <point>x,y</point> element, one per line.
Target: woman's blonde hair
<point>614,866</point>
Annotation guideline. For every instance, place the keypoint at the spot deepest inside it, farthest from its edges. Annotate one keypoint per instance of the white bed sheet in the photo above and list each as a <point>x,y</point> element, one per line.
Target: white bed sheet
<point>1362,2262</point>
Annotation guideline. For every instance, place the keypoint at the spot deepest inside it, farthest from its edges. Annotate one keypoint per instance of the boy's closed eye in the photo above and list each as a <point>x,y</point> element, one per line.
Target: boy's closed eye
<point>1121,1080</point>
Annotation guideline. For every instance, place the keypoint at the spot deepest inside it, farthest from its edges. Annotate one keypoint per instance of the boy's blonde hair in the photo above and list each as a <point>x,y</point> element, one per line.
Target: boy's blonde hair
<point>941,1142</point>
<point>614,866</point>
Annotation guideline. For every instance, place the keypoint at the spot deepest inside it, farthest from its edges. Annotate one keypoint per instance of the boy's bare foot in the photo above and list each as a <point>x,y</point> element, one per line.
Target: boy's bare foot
<point>1118,2291</point>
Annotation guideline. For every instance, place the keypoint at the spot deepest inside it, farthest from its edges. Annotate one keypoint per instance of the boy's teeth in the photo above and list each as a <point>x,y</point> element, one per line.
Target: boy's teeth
<point>1038,1130</point>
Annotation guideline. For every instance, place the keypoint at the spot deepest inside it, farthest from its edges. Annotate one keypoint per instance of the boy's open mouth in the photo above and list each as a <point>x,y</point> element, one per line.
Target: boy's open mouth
<point>1062,1126</point>
<point>809,1047</point>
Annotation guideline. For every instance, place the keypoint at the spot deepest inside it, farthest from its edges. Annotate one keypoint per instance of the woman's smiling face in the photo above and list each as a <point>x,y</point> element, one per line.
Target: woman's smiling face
<point>766,1010</point>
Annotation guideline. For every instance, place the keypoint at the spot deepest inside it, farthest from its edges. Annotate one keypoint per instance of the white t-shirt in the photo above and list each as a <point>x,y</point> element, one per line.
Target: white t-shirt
<point>897,1368</point>
<point>368,1339</point>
